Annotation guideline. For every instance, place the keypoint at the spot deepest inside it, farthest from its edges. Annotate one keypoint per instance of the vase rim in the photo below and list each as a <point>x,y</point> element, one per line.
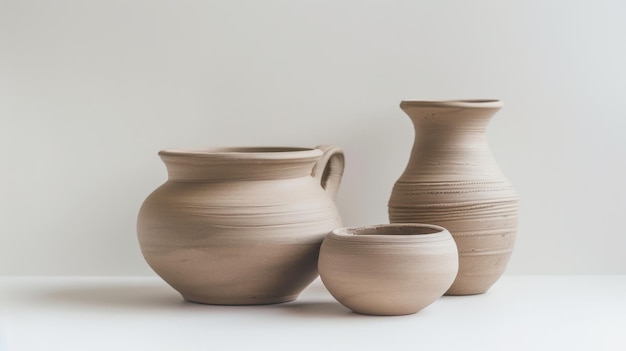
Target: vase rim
<point>243,152</point>
<point>466,103</point>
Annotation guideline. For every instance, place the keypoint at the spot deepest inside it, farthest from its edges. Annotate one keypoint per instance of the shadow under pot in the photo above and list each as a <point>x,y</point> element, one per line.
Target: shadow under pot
<point>389,269</point>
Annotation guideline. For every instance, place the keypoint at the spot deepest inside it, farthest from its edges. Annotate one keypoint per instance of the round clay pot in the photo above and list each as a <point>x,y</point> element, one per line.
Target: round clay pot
<point>241,225</point>
<point>390,269</point>
<point>452,180</point>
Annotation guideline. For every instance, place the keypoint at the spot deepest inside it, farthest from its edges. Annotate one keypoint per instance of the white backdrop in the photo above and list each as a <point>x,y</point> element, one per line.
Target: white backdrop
<point>91,90</point>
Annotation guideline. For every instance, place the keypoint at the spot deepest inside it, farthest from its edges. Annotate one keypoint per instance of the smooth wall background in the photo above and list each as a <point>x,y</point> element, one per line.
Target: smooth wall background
<point>91,90</point>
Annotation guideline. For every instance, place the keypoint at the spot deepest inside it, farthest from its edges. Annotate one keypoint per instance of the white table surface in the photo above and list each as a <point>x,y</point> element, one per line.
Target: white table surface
<point>143,313</point>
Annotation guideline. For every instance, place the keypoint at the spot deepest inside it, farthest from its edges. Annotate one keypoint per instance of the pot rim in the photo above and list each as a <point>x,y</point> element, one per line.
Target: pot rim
<point>244,152</point>
<point>465,103</point>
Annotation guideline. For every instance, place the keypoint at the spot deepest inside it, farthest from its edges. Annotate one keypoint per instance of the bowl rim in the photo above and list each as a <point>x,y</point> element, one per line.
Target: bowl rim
<point>386,233</point>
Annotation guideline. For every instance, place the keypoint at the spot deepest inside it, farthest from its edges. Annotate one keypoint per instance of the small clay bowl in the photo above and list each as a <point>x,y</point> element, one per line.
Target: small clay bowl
<point>389,269</point>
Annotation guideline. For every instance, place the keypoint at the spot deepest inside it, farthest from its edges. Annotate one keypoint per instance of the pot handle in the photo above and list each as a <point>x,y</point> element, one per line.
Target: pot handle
<point>328,170</point>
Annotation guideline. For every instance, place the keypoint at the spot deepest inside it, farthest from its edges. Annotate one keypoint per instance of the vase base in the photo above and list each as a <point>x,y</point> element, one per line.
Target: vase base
<point>471,286</point>
<point>461,292</point>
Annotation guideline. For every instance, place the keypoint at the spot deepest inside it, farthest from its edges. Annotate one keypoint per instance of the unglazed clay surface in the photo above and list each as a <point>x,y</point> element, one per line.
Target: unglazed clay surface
<point>241,225</point>
<point>452,180</point>
<point>391,269</point>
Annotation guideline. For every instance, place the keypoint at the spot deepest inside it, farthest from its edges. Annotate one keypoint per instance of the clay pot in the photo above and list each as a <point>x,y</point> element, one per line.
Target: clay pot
<point>391,269</point>
<point>241,225</point>
<point>452,180</point>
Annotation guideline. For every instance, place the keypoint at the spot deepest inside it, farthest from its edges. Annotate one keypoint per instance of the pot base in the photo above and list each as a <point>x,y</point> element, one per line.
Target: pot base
<point>241,301</point>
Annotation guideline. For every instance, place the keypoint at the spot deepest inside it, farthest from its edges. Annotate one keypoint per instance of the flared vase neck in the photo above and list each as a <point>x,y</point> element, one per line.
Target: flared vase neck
<point>450,139</point>
<point>451,116</point>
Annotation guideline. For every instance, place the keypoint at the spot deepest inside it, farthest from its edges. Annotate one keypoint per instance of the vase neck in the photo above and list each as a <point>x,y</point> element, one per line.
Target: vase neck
<point>238,164</point>
<point>445,125</point>
<point>450,141</point>
<point>441,118</point>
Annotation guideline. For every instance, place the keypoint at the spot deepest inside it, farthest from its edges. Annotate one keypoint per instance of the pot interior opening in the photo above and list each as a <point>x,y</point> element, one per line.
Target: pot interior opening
<point>236,150</point>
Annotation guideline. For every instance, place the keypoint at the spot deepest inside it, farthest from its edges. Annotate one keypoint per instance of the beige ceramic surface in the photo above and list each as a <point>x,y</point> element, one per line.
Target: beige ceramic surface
<point>241,225</point>
<point>388,269</point>
<point>452,180</point>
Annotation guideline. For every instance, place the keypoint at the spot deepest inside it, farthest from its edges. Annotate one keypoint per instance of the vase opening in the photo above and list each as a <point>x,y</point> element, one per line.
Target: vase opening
<point>466,103</point>
<point>474,100</point>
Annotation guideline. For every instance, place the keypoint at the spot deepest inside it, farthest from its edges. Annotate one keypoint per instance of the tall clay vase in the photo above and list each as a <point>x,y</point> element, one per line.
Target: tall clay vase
<point>237,226</point>
<point>453,181</point>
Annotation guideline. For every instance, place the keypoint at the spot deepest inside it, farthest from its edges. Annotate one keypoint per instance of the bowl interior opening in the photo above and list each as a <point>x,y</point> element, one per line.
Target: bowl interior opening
<point>396,230</point>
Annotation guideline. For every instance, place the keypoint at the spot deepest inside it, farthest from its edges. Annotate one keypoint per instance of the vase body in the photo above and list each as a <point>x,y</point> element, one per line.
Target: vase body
<point>388,270</point>
<point>240,226</point>
<point>453,181</point>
